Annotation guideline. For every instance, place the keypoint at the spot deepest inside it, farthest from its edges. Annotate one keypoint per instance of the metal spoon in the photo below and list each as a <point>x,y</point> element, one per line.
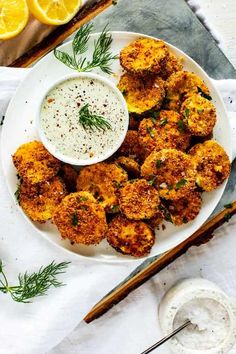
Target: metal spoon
<point>163,340</point>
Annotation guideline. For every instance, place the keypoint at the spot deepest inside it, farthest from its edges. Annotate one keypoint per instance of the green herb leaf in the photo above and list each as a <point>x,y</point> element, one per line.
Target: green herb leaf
<point>227,216</point>
<point>181,183</point>
<point>17,193</point>
<point>115,208</point>
<point>35,284</point>
<point>185,220</point>
<point>203,94</point>
<point>66,59</point>
<point>152,180</point>
<point>74,219</point>
<point>150,132</point>
<point>163,122</point>
<point>154,116</point>
<point>80,41</point>
<point>83,199</point>
<point>170,187</point>
<point>168,216</point>
<point>92,121</point>
<point>181,126</point>
<point>158,164</point>
<point>124,92</point>
<point>228,206</point>
<point>186,112</point>
<point>200,110</point>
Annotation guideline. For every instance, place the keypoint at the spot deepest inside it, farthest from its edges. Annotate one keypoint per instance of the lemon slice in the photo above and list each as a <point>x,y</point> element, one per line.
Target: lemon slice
<point>54,12</point>
<point>14,16</point>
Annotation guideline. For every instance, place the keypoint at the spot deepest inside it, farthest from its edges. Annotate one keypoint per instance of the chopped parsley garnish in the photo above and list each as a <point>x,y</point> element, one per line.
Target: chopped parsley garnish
<point>154,116</point>
<point>74,220</point>
<point>115,208</point>
<point>117,184</point>
<point>17,193</point>
<point>150,132</point>
<point>152,181</point>
<point>124,92</point>
<point>181,126</point>
<point>181,183</point>
<point>203,94</point>
<point>163,122</point>
<point>158,164</point>
<point>228,206</point>
<point>168,217</point>
<point>170,187</point>
<point>185,220</point>
<point>83,199</point>
<point>186,112</point>
<point>227,216</point>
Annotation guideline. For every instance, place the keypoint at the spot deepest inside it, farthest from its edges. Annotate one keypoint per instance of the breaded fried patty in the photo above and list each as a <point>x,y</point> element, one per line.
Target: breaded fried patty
<point>102,180</point>
<point>81,219</point>
<point>131,146</point>
<point>200,115</point>
<point>180,86</point>
<point>138,200</point>
<point>34,163</point>
<point>142,95</point>
<point>69,176</point>
<point>212,163</point>
<point>170,66</point>
<point>130,237</point>
<point>39,201</point>
<point>184,209</point>
<point>144,56</point>
<point>129,165</point>
<point>171,171</point>
<point>155,221</point>
<point>166,131</point>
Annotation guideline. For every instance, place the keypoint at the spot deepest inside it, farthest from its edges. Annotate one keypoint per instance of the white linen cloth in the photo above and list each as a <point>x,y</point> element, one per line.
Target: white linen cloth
<point>38,327</point>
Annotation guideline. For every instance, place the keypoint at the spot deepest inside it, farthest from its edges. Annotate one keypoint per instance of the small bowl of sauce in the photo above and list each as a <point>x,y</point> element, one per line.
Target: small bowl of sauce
<point>82,119</point>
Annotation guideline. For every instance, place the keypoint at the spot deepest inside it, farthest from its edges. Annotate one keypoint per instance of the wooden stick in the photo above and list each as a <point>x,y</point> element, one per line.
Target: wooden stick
<point>201,236</point>
<point>91,9</point>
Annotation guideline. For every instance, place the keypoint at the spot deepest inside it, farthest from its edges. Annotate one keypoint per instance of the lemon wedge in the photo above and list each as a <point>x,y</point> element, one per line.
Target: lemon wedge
<point>54,12</point>
<point>14,16</point>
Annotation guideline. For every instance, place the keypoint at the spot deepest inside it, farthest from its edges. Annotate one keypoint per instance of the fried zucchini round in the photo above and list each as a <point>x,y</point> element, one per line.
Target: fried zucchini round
<point>171,171</point>
<point>34,163</point>
<point>180,86</point>
<point>81,219</point>
<point>170,66</point>
<point>142,95</point>
<point>131,146</point>
<point>200,115</point>
<point>138,200</point>
<point>212,164</point>
<point>155,221</point>
<point>102,180</point>
<point>130,237</point>
<point>184,209</point>
<point>69,176</point>
<point>39,201</point>
<point>129,165</point>
<point>144,56</point>
<point>164,132</point>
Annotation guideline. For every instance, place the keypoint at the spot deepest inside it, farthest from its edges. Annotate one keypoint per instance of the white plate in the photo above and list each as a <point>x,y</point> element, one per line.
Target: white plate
<point>19,127</point>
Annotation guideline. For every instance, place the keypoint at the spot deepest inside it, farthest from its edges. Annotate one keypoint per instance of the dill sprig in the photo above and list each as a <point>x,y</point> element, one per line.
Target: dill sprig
<point>102,55</point>
<point>91,121</point>
<point>35,284</point>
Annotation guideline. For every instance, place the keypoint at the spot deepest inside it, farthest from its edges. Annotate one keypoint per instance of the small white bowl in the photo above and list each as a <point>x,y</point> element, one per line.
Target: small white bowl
<point>71,160</point>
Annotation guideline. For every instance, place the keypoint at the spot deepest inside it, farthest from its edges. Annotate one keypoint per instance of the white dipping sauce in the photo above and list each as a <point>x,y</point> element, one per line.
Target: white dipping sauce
<point>59,118</point>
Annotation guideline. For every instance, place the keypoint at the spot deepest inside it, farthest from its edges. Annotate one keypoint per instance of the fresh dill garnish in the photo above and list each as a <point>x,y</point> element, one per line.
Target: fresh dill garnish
<point>203,94</point>
<point>35,284</point>
<point>158,164</point>
<point>163,122</point>
<point>150,132</point>
<point>101,57</point>
<point>152,180</point>
<point>74,219</point>
<point>181,183</point>
<point>228,206</point>
<point>92,121</point>
<point>186,112</point>
<point>181,126</point>
<point>154,116</point>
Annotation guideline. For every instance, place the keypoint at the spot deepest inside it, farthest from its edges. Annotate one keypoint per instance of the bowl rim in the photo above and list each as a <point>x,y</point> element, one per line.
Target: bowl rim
<point>51,147</point>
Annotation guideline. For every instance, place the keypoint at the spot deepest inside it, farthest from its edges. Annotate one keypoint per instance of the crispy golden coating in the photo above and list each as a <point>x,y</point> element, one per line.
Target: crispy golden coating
<point>170,66</point>
<point>131,146</point>
<point>212,163</point>
<point>129,165</point>
<point>69,176</point>
<point>34,163</point>
<point>102,180</point>
<point>171,171</point>
<point>81,219</point>
<point>144,56</point>
<point>200,115</point>
<point>184,209</point>
<point>39,201</point>
<point>138,200</point>
<point>130,237</point>
<point>180,86</point>
<point>142,95</point>
<point>165,131</point>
